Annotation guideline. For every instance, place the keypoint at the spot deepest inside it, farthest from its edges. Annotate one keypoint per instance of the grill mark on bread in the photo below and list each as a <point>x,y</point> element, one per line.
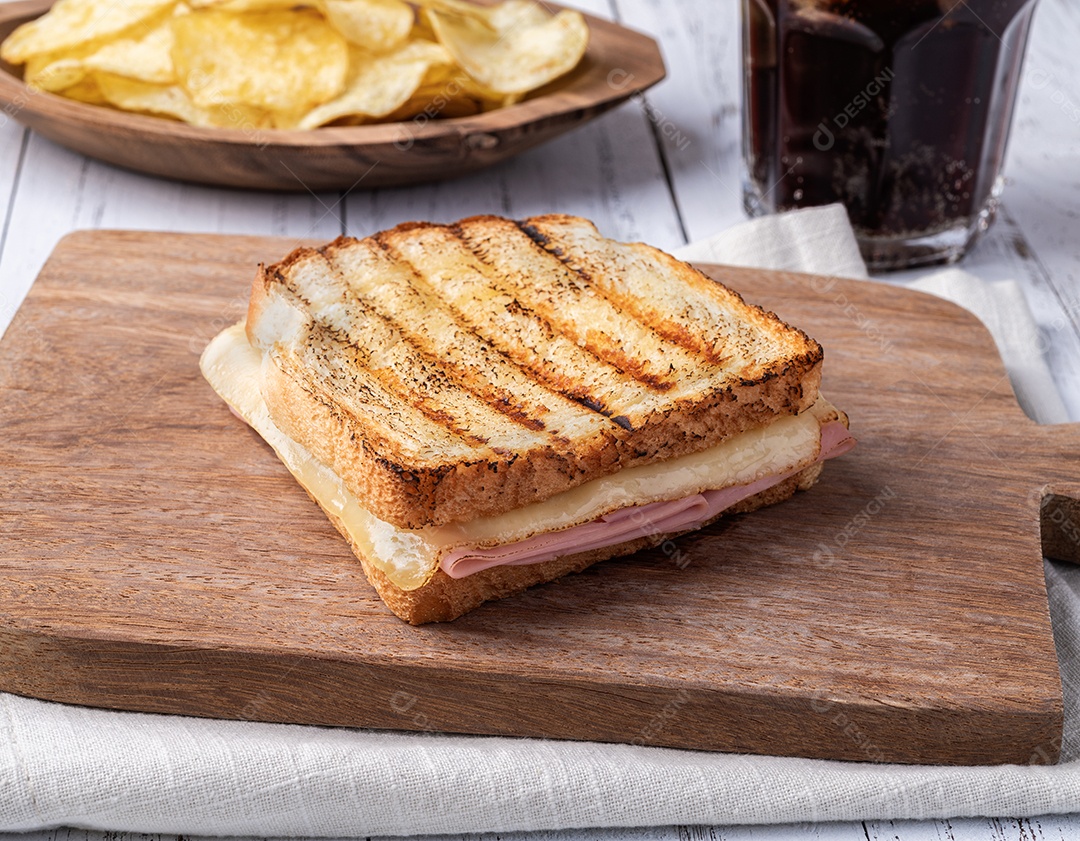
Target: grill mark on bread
<point>383,421</point>
<point>623,272</point>
<point>450,271</point>
<point>402,367</point>
<point>393,386</point>
<point>571,304</point>
<point>673,331</point>
<point>370,270</point>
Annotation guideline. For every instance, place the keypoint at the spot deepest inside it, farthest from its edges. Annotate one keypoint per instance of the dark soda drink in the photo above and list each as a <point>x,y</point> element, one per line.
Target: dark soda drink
<point>899,109</point>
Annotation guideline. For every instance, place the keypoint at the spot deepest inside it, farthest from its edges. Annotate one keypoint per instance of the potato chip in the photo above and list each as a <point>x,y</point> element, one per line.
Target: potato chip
<point>380,83</point>
<point>447,91</point>
<point>499,18</point>
<point>522,55</point>
<point>51,72</point>
<point>277,61</point>
<point>173,101</point>
<point>255,64</point>
<point>376,25</point>
<point>515,14</point>
<point>70,23</point>
<point>466,87</point>
<point>245,5</point>
<point>462,106</point>
<point>422,29</point>
<point>435,101</point>
<point>133,95</point>
<point>144,56</point>
<point>237,117</point>
<point>86,91</point>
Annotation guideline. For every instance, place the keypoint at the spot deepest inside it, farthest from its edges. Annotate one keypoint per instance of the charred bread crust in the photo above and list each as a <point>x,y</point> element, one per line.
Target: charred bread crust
<point>413,496</point>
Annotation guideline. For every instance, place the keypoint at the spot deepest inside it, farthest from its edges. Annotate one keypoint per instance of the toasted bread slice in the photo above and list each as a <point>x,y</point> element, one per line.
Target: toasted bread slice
<point>449,372</point>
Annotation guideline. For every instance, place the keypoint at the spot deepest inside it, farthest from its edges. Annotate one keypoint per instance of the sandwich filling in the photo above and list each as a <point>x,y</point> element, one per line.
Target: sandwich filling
<point>677,495</point>
<point>687,513</point>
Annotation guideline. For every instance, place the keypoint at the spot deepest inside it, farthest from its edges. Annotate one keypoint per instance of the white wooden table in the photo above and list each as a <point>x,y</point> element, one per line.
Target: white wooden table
<point>666,172</point>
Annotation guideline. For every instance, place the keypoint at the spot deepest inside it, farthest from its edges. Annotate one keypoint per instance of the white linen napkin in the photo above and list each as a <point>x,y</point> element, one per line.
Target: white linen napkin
<point>817,240</point>
<point>73,766</point>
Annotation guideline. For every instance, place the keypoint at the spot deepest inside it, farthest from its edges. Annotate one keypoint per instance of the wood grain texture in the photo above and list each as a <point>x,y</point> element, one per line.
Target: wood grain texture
<point>696,118</point>
<point>618,64</point>
<point>156,556</point>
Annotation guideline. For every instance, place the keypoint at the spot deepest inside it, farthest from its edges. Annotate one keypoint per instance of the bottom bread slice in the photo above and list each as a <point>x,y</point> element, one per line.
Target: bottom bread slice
<point>444,598</point>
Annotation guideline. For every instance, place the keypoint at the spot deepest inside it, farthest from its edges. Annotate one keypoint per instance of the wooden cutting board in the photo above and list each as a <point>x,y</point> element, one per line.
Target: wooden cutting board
<point>154,554</point>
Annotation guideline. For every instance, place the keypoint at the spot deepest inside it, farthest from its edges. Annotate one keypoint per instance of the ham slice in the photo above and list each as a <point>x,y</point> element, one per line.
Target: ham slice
<point>627,524</point>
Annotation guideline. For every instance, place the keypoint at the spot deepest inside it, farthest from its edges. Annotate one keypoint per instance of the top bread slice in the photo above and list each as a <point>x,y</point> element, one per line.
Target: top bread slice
<point>448,372</point>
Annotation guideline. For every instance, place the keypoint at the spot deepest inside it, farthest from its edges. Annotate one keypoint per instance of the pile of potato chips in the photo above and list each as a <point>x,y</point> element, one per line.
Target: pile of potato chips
<point>296,63</point>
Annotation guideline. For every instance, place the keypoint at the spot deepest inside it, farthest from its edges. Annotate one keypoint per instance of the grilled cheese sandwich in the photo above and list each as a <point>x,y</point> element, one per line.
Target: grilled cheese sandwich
<point>462,400</point>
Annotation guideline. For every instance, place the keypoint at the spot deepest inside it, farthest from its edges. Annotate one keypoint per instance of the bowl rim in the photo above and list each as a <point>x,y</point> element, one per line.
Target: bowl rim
<point>553,100</point>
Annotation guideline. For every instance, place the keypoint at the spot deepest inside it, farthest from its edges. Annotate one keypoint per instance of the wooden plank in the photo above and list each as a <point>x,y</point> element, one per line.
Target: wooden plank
<point>12,146</point>
<point>580,174</point>
<point>780,832</point>
<point>1047,828</point>
<point>695,113</point>
<point>116,593</point>
<point>13,139</point>
<point>57,191</point>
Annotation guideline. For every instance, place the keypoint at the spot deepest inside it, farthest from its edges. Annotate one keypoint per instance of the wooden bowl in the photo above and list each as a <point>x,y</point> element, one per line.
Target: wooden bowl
<point>619,63</point>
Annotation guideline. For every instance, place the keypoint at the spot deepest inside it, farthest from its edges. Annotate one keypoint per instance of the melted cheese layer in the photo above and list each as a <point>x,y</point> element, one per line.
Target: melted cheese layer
<point>410,557</point>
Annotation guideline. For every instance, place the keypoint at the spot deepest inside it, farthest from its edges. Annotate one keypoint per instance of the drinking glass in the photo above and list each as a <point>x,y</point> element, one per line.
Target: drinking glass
<point>899,109</point>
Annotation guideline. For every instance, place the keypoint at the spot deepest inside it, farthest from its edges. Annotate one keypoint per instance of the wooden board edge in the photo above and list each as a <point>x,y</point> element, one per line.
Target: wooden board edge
<point>209,683</point>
